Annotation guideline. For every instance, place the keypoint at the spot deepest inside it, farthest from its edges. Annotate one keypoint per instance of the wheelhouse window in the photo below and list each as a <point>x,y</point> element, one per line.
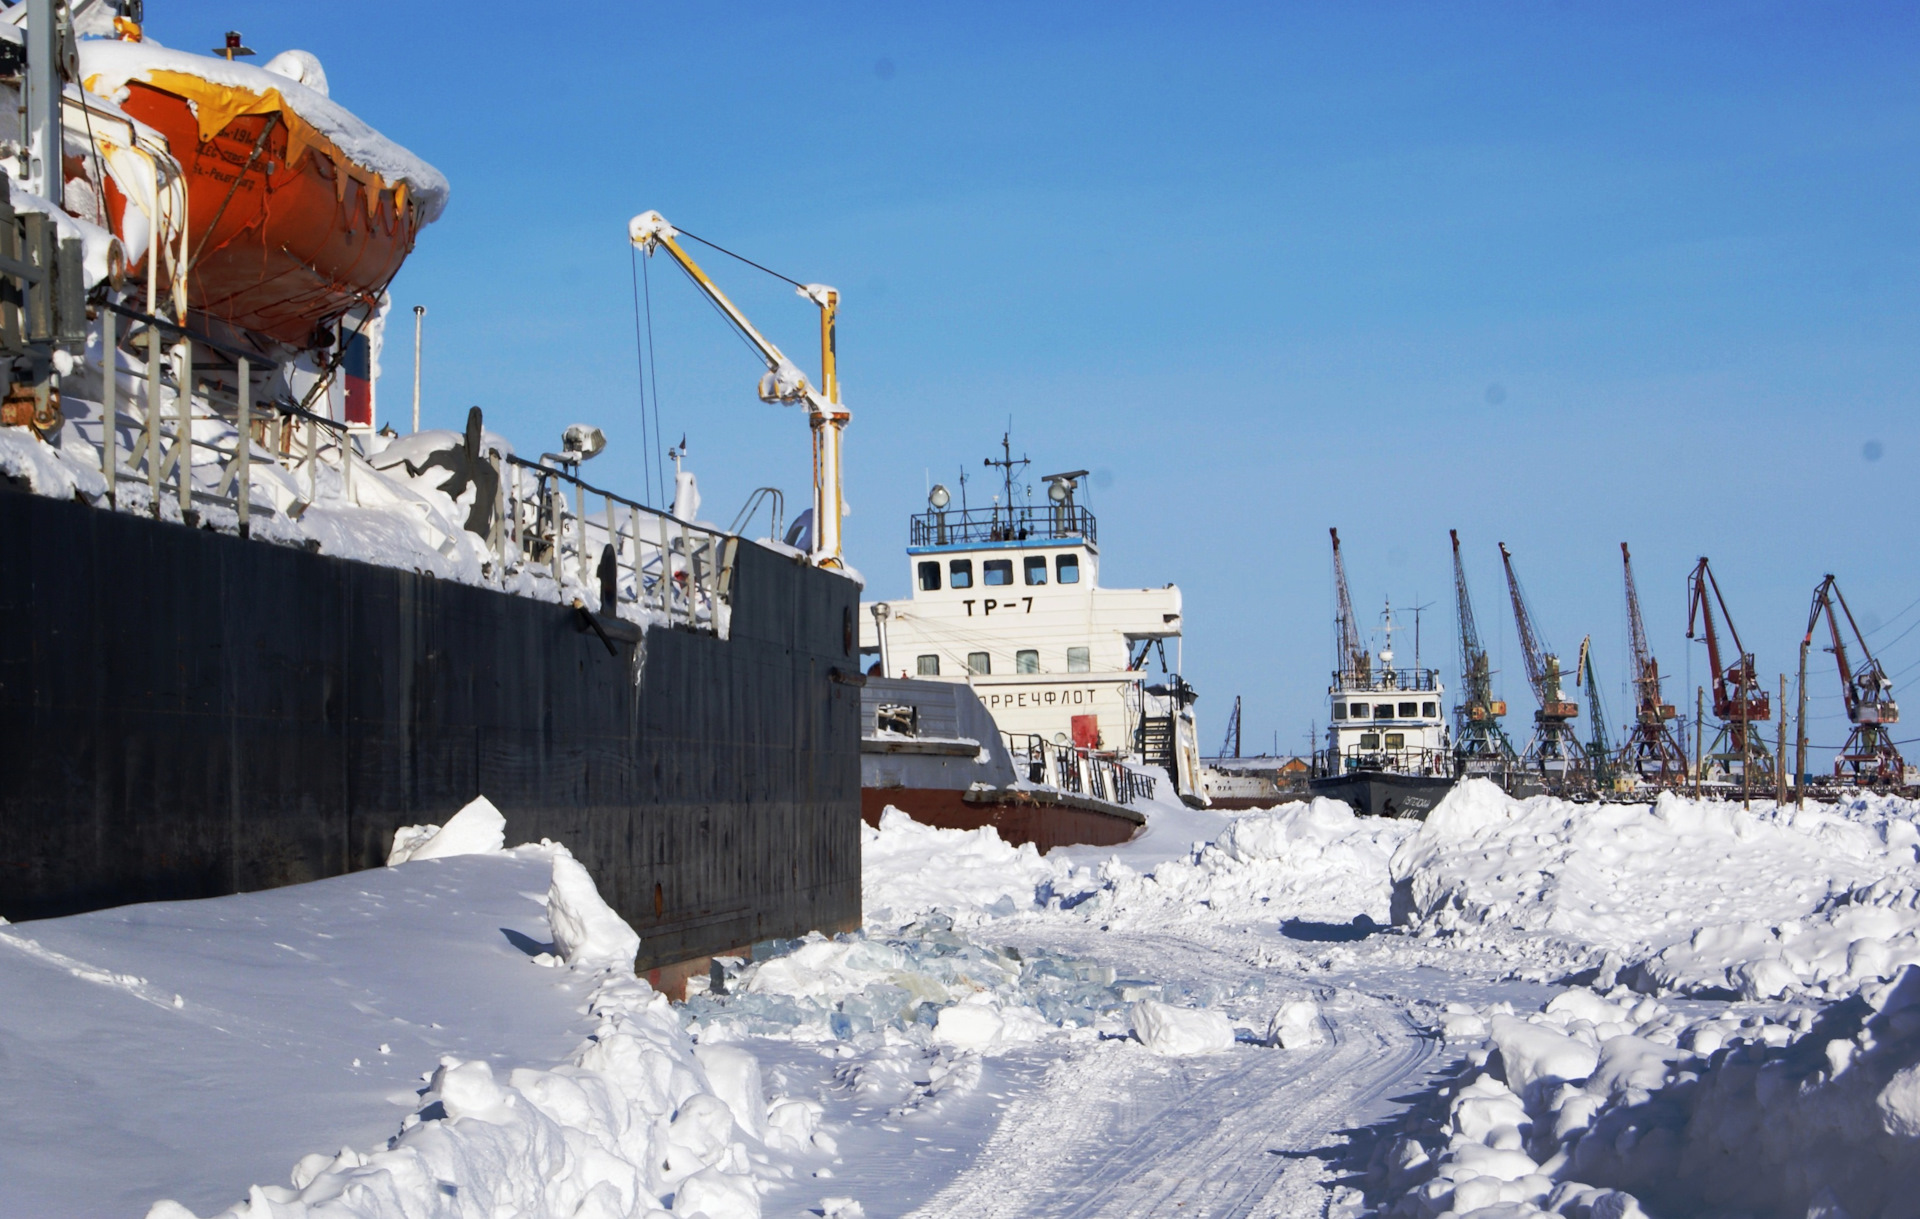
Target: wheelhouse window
<point>997,571</point>
<point>1066,568</point>
<point>960,573</point>
<point>1358,711</point>
<point>1408,710</point>
<point>1035,568</point>
<point>930,576</point>
<point>979,662</point>
<point>927,666</point>
<point>1383,711</point>
<point>1077,661</point>
<point>1339,711</point>
<point>1429,709</point>
<point>1026,660</point>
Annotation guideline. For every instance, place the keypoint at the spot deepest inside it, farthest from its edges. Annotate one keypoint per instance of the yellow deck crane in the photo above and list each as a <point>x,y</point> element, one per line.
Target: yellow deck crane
<point>783,381</point>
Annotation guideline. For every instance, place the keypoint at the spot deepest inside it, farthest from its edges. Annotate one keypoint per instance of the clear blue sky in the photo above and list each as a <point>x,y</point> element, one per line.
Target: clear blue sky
<point>1552,275</point>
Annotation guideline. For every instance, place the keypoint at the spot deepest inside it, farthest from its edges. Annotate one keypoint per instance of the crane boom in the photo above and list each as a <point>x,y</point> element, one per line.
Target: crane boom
<point>1531,648</point>
<point>1645,667</point>
<point>1731,682</point>
<point>783,381</point>
<point>1355,663</point>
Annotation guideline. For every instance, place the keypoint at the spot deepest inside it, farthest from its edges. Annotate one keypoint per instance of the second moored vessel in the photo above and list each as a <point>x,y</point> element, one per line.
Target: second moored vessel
<point>1387,749</point>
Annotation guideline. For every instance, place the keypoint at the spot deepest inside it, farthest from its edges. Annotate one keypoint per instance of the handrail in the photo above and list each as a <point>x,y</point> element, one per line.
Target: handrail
<point>1078,770</point>
<point>622,553</point>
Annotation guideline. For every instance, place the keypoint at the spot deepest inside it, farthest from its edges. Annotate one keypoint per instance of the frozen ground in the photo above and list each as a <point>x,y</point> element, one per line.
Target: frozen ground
<point>1672,1009</point>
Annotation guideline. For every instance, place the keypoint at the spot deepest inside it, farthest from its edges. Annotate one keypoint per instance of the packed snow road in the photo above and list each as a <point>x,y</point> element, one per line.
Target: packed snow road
<point>1246,1132</point>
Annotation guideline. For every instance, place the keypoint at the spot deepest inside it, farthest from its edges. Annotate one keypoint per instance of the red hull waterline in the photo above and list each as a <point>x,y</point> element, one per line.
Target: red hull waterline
<point>1016,820</point>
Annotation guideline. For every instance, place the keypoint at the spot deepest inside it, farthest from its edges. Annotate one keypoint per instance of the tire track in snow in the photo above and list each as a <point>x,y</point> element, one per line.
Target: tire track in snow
<point>1117,1131</point>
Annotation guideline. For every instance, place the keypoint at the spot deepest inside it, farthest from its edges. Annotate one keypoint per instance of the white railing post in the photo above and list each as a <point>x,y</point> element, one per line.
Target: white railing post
<point>153,416</point>
<point>513,523</point>
<point>243,461</point>
<point>496,526</point>
<point>580,536</point>
<point>556,504</point>
<point>664,582</point>
<point>183,443</point>
<point>109,407</point>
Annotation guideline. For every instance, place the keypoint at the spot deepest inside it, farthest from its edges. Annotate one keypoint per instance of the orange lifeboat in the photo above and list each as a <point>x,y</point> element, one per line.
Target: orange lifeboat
<point>296,210</point>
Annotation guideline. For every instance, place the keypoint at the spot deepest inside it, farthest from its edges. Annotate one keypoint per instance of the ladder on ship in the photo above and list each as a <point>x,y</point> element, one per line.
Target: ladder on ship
<point>1154,741</point>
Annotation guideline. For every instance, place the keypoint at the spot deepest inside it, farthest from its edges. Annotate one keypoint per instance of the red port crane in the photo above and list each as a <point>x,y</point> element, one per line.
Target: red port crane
<point>1651,750</point>
<point>1555,750</point>
<point>1870,757</point>
<point>1739,700</point>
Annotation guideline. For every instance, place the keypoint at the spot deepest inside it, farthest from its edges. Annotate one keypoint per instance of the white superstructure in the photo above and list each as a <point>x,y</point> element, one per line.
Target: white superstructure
<point>1386,719</point>
<point>1008,600</point>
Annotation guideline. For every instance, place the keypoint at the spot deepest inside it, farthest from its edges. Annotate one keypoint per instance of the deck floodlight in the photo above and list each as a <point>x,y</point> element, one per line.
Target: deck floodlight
<point>581,441</point>
<point>1057,491</point>
<point>939,498</point>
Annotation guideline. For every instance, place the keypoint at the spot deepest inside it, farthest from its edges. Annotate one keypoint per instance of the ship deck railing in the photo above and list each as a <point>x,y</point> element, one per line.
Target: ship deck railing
<point>1413,761</point>
<point>543,521</point>
<point>1019,523</point>
<point>1382,681</point>
<point>1077,770</point>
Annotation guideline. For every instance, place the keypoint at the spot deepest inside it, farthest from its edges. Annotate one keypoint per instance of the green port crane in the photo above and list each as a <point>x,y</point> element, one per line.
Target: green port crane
<point>1600,746</point>
<point>1480,745</point>
<point>1555,750</point>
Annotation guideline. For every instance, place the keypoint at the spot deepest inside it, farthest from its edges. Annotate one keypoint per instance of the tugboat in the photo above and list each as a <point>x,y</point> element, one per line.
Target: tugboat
<point>1007,603</point>
<point>1387,751</point>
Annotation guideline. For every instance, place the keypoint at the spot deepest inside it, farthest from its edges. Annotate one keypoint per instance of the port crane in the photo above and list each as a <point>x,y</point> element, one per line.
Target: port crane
<point>1480,746</point>
<point>1555,750</point>
<point>783,381</point>
<point>1869,758</point>
<point>1651,749</point>
<point>1739,700</point>
<point>1230,748</point>
<point>1356,664</point>
<point>1600,756</point>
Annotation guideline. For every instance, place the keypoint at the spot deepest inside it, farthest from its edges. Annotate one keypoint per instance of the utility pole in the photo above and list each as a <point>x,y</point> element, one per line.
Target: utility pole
<point>1800,731</point>
<point>1780,750</point>
<point>1699,717</point>
<point>419,313</point>
<point>1746,747</point>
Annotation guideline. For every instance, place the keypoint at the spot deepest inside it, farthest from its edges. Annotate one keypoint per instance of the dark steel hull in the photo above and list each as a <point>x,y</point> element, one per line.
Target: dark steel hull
<point>1379,793</point>
<point>186,714</point>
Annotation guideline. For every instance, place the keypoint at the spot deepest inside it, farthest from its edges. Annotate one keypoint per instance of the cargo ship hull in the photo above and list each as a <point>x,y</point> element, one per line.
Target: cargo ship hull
<point>186,714</point>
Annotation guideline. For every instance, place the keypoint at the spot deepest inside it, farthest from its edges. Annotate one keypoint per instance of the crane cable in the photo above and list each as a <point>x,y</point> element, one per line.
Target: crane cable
<point>653,364</point>
<point>640,364</point>
<point>740,257</point>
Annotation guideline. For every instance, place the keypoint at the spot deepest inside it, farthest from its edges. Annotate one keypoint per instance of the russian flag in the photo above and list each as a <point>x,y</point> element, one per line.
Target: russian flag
<point>357,365</point>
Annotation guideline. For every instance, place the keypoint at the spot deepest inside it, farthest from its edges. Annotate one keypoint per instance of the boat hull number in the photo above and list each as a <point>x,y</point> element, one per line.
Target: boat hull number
<point>988,605</point>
